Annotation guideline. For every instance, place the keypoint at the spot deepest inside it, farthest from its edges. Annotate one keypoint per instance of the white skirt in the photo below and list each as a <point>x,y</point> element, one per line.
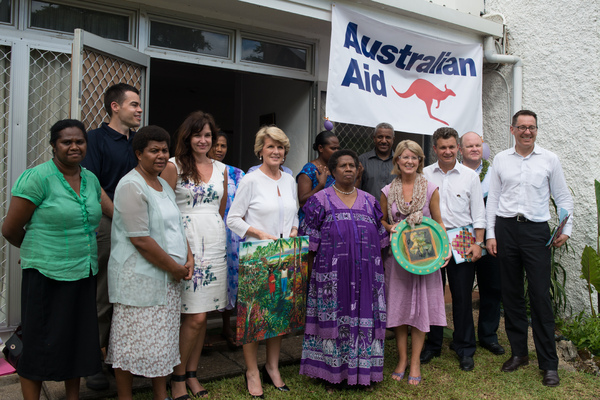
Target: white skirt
<point>145,340</point>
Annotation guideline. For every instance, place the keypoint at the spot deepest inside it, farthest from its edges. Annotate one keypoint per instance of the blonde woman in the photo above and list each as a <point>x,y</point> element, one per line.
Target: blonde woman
<point>266,207</point>
<point>412,300</point>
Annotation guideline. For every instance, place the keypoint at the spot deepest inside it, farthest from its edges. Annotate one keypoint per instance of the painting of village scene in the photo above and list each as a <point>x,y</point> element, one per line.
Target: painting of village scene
<point>272,288</point>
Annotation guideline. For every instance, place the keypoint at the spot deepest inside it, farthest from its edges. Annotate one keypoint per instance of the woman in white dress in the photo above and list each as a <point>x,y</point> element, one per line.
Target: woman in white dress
<point>200,190</point>
<point>265,207</point>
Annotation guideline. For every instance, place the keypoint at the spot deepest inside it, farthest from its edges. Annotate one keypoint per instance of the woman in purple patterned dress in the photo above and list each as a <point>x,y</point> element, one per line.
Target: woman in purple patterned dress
<point>345,311</point>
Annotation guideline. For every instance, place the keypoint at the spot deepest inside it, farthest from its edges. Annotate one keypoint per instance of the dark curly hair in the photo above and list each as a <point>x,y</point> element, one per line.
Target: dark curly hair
<point>333,160</point>
<point>147,134</point>
<point>57,128</point>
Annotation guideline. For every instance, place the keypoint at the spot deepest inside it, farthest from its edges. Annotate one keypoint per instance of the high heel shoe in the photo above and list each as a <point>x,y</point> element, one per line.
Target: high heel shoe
<point>267,379</point>
<point>200,393</point>
<point>254,396</point>
<point>178,378</point>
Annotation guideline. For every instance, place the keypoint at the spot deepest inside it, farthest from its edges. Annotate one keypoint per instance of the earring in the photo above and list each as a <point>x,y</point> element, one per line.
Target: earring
<point>260,158</point>
<point>283,160</point>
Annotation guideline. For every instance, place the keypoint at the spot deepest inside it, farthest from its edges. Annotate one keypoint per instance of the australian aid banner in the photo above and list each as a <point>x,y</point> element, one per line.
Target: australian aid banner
<point>418,83</point>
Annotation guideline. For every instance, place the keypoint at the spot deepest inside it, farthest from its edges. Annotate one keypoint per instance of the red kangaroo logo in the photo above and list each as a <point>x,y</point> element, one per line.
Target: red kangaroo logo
<point>427,92</point>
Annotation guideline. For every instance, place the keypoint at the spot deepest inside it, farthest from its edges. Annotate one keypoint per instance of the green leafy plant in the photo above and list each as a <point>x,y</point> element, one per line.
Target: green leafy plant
<point>583,331</point>
<point>590,258</point>
<point>558,274</point>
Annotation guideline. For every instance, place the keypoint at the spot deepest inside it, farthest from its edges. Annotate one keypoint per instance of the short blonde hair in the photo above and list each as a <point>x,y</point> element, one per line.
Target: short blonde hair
<point>275,134</point>
<point>412,146</point>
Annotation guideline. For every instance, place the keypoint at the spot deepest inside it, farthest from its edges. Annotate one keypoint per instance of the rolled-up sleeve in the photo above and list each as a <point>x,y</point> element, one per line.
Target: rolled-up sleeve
<point>492,203</point>
<point>561,193</point>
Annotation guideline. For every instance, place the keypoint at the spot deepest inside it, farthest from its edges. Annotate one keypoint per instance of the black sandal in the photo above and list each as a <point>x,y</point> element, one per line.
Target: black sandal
<point>201,393</point>
<point>178,378</point>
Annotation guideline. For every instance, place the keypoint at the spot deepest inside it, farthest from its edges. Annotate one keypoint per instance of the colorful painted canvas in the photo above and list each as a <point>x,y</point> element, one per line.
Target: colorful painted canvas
<point>461,240</point>
<point>272,288</point>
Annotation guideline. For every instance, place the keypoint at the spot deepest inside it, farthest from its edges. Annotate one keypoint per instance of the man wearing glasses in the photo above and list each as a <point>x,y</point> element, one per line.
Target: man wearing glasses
<point>522,180</point>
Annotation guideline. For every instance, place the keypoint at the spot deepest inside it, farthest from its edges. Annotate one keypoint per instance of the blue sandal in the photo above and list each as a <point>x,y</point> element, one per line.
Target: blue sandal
<point>400,376</point>
<point>414,379</point>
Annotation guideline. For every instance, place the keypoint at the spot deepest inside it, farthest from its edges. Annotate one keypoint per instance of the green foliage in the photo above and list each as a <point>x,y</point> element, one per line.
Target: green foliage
<point>590,271</point>
<point>558,278</point>
<point>590,258</point>
<point>583,331</point>
<point>558,274</point>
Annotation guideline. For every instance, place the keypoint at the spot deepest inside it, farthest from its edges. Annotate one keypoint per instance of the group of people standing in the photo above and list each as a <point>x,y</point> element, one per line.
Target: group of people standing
<point>114,225</point>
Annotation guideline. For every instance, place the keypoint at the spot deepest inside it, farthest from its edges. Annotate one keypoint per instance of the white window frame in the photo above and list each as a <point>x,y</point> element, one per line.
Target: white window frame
<point>131,14</point>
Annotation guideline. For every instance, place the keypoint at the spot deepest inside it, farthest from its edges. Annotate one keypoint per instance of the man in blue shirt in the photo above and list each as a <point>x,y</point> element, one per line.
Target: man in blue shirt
<point>110,156</point>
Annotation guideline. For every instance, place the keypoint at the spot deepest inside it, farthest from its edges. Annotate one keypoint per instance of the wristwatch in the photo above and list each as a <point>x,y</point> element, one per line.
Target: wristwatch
<point>480,244</point>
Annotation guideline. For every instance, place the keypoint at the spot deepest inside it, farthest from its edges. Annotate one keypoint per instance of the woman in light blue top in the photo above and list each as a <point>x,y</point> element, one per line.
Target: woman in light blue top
<point>149,257</point>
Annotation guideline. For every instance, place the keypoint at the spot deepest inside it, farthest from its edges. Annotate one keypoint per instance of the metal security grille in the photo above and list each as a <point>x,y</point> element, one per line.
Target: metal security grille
<point>5,63</point>
<point>49,91</point>
<point>355,137</point>
<point>99,72</point>
<point>360,138</point>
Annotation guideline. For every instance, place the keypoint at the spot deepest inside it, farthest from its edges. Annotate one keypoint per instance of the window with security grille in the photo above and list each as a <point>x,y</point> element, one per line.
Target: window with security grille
<point>49,91</point>
<point>100,72</point>
<point>64,18</point>
<point>360,138</point>
<point>5,64</point>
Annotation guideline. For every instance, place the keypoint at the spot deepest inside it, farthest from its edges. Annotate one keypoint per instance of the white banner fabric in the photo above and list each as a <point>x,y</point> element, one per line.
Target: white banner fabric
<point>418,83</point>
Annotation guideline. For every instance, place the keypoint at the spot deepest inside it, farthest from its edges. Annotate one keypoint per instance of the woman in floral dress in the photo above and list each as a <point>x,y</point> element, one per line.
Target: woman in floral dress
<point>200,188</point>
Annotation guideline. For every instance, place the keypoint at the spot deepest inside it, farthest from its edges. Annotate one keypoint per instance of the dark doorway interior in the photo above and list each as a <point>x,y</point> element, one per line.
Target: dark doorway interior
<point>239,101</point>
<point>177,89</point>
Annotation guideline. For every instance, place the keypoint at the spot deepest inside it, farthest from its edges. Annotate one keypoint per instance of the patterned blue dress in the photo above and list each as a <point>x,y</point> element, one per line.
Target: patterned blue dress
<point>345,311</point>
<point>310,170</point>
<point>234,176</point>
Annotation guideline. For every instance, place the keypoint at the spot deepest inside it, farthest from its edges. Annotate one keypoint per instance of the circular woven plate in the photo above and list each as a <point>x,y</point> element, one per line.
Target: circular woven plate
<point>421,250</point>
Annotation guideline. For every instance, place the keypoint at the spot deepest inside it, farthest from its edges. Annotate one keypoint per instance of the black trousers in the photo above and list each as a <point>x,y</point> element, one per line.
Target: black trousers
<point>460,279</point>
<point>522,249</point>
<point>487,269</point>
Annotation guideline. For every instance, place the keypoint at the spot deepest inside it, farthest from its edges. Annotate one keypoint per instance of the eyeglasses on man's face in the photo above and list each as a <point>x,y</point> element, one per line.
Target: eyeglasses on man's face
<point>523,128</point>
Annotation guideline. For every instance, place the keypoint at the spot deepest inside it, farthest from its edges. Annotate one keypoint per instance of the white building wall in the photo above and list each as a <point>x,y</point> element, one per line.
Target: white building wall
<point>560,48</point>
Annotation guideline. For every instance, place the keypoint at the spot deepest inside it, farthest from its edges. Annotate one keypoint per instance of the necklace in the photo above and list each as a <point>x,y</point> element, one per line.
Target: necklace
<point>484,169</point>
<point>339,191</point>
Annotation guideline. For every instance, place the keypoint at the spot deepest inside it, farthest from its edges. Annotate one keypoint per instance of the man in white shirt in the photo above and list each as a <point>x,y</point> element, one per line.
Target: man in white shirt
<point>461,204</point>
<point>517,232</point>
<point>487,268</point>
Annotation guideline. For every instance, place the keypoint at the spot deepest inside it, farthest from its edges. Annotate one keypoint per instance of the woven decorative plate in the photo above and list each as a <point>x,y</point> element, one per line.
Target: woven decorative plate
<point>421,250</point>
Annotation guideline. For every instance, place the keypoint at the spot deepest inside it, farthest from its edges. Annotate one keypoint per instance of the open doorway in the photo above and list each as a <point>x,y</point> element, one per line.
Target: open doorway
<point>239,101</point>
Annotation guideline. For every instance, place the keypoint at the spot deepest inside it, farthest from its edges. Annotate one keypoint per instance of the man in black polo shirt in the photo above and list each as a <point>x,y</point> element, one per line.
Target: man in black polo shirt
<point>110,156</point>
